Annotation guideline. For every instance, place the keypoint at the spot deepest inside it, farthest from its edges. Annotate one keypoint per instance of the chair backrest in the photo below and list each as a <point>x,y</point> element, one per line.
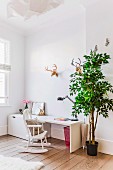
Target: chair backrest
<point>26,116</point>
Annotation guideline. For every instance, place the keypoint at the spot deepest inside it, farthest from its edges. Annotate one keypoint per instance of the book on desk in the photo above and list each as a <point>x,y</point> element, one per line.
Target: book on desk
<point>66,119</point>
<point>61,119</point>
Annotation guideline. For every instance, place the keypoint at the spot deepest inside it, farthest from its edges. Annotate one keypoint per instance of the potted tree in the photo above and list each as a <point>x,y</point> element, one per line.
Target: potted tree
<point>91,93</point>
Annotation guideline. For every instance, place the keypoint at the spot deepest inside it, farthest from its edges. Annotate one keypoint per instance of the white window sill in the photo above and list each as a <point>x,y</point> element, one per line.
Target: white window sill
<point>5,105</point>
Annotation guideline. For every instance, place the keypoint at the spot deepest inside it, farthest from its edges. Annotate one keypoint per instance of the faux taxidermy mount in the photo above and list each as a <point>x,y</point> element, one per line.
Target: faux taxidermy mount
<point>77,65</point>
<point>53,71</point>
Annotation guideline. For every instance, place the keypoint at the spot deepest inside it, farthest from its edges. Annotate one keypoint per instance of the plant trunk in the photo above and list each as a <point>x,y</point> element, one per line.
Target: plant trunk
<point>92,127</point>
<point>96,120</point>
<point>89,129</point>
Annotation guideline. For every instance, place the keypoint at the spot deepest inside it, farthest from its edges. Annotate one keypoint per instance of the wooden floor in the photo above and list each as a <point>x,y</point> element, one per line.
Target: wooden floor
<point>58,157</point>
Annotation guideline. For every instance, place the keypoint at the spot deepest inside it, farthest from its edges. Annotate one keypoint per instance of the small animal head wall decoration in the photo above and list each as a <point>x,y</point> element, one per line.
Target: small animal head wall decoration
<point>53,71</point>
<point>77,65</point>
<point>107,42</point>
<point>96,48</point>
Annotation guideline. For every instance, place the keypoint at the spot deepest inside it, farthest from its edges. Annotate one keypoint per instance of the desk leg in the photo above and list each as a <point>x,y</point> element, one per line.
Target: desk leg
<point>75,137</point>
<point>47,126</point>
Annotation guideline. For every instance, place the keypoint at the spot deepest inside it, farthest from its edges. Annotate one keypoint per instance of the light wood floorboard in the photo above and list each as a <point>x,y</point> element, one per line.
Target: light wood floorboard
<point>58,156</point>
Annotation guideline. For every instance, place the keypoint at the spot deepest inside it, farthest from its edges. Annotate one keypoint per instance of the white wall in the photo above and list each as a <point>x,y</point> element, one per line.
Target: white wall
<point>58,44</point>
<point>99,26</point>
<point>16,87</point>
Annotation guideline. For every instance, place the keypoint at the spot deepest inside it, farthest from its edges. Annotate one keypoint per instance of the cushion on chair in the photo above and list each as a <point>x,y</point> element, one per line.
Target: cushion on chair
<point>34,122</point>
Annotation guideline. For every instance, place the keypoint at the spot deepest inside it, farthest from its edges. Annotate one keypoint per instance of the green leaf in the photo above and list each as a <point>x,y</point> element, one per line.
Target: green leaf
<point>90,88</point>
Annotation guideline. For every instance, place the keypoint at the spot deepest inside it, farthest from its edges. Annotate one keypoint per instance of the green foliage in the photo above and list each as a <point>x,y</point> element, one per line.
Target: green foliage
<point>90,88</point>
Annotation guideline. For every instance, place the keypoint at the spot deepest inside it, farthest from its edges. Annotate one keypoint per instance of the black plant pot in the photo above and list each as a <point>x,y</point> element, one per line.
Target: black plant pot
<point>92,148</point>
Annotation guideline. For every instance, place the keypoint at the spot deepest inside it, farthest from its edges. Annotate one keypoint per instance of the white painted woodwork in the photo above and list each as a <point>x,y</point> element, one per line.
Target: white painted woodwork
<point>17,128</point>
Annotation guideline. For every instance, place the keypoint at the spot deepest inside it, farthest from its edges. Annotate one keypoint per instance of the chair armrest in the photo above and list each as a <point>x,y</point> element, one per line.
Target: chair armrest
<point>33,126</point>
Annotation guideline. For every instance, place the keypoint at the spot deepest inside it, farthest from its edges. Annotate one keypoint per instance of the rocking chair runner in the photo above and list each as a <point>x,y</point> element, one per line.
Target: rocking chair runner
<point>35,131</point>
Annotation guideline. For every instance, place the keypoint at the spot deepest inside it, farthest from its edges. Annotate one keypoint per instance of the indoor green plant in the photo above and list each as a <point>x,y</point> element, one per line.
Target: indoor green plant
<point>91,93</point>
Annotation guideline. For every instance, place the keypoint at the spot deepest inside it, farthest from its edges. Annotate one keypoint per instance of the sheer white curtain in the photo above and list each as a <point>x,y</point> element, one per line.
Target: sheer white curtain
<point>4,55</point>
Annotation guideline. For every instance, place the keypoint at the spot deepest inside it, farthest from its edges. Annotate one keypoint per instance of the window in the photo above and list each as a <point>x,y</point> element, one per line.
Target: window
<point>4,71</point>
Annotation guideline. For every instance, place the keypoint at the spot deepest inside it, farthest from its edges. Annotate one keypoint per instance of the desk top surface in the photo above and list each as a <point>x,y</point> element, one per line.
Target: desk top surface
<point>50,119</point>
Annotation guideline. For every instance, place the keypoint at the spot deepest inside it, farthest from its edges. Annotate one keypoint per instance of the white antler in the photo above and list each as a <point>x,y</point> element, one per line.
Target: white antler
<point>78,65</point>
<point>72,63</point>
<point>54,67</point>
<point>46,68</point>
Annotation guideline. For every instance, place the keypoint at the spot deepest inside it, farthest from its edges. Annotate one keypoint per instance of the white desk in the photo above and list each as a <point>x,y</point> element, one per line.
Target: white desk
<point>16,128</point>
<point>75,133</point>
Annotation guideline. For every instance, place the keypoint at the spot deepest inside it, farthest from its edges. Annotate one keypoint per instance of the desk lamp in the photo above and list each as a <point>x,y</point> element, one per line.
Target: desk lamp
<point>63,98</point>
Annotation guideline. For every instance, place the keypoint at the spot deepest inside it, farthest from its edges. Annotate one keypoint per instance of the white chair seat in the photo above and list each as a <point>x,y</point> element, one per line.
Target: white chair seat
<point>40,136</point>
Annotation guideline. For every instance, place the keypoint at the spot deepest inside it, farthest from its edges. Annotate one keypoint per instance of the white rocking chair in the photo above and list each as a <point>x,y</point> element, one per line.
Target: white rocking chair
<point>33,136</point>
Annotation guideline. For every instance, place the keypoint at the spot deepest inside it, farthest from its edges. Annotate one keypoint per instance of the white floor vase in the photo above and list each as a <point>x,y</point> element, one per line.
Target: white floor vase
<point>9,163</point>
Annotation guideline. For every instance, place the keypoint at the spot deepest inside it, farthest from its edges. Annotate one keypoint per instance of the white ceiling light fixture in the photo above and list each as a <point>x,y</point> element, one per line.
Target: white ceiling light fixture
<point>28,8</point>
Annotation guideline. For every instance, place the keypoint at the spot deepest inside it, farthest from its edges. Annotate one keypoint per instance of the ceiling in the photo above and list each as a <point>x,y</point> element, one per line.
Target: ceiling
<point>69,8</point>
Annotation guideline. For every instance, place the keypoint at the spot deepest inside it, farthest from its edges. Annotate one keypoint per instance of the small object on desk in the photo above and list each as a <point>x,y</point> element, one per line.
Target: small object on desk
<point>74,119</point>
<point>61,119</point>
<point>20,110</point>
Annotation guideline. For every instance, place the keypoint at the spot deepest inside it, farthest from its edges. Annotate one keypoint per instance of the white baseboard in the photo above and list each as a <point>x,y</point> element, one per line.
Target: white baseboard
<point>3,130</point>
<point>105,146</point>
